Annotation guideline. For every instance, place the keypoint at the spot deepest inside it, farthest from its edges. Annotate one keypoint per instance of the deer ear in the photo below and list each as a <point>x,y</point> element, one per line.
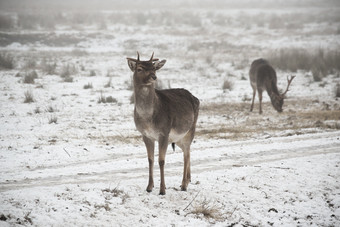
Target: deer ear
<point>159,64</point>
<point>132,65</point>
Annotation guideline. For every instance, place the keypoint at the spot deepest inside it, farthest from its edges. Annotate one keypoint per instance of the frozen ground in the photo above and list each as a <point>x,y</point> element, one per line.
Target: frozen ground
<point>90,167</point>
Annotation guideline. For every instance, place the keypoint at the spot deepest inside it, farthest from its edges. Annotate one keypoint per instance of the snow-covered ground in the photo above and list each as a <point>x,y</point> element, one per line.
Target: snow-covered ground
<point>90,167</point>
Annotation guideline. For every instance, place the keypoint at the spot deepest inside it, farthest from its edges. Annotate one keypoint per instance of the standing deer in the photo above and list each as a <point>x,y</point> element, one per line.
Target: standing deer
<point>166,116</point>
<point>263,77</point>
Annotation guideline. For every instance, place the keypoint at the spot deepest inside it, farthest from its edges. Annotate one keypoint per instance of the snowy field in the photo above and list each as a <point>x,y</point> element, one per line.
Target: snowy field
<point>72,156</point>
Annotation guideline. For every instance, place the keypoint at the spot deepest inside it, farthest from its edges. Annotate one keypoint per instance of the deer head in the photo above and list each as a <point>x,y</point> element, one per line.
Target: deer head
<point>145,71</point>
<point>279,99</point>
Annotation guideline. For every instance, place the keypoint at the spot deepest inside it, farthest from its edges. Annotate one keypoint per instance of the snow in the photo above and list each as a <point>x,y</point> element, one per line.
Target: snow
<point>90,168</point>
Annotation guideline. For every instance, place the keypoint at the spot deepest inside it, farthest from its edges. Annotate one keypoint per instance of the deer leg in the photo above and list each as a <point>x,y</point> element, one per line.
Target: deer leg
<point>163,144</point>
<point>260,99</point>
<point>252,102</point>
<point>150,147</point>
<point>186,171</point>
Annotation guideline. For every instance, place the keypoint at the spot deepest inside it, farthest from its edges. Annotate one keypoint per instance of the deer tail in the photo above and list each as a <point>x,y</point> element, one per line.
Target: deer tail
<point>173,146</point>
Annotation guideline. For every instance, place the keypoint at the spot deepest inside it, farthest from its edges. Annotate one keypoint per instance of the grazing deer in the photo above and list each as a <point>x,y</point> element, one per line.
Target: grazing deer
<point>166,116</point>
<point>263,77</point>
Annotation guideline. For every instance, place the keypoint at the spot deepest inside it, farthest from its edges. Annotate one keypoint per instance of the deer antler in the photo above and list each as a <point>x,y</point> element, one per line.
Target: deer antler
<point>138,60</point>
<point>151,56</point>
<point>135,60</point>
<point>153,59</point>
<point>289,82</point>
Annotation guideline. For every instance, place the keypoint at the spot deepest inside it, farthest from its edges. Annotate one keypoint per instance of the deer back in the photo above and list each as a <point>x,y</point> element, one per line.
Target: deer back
<point>253,71</point>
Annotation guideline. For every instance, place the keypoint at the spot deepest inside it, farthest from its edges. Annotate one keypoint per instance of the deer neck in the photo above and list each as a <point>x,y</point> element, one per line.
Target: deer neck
<point>145,100</point>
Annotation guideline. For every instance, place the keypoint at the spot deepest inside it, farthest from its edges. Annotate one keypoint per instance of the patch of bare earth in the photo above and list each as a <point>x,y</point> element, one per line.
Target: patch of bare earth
<point>236,122</point>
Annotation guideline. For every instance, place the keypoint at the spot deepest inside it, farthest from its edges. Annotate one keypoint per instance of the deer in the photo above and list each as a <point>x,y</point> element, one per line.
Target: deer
<point>166,116</point>
<point>263,77</point>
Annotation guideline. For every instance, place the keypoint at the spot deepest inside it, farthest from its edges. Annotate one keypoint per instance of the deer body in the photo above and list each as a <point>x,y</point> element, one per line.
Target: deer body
<point>166,116</point>
<point>263,77</point>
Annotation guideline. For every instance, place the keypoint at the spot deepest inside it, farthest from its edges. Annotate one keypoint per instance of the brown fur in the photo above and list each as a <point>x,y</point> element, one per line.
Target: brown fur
<point>166,116</point>
<point>263,77</point>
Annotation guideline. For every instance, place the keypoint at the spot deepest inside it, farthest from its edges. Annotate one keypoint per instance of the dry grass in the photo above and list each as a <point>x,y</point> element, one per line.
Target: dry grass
<point>28,97</point>
<point>88,86</point>
<point>321,63</point>
<point>207,209</point>
<point>237,123</point>
<point>30,77</point>
<point>109,99</point>
<point>6,61</point>
<point>53,119</point>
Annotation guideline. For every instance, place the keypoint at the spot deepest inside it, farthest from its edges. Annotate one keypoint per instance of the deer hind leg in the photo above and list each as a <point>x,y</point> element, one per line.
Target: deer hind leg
<point>163,144</point>
<point>252,102</point>
<point>184,144</point>
<point>150,147</point>
<point>186,170</point>
<point>260,100</point>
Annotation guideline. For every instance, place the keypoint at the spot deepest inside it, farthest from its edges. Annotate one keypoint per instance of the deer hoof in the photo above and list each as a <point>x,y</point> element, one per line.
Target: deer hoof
<point>149,188</point>
<point>162,193</point>
<point>183,188</point>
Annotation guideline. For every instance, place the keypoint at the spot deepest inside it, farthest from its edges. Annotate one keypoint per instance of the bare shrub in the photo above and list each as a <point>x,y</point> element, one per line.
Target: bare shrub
<point>37,110</point>
<point>108,84</point>
<point>109,193</point>
<point>68,79</point>
<point>28,97</point>
<point>208,210</point>
<point>317,74</point>
<point>109,99</point>
<point>48,67</point>
<point>318,62</point>
<point>92,73</point>
<point>68,70</point>
<point>50,109</point>
<point>6,22</point>
<point>30,63</point>
<point>30,77</point>
<point>53,119</point>
<point>227,85</point>
<point>337,90</point>
<point>88,86</point>
<point>6,61</point>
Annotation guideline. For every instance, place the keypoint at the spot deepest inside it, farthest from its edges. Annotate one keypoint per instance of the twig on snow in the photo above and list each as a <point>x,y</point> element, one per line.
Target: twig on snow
<point>191,201</point>
<point>67,152</point>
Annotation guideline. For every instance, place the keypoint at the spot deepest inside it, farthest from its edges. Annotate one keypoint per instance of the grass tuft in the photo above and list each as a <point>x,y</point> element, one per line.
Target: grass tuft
<point>6,61</point>
<point>337,90</point>
<point>88,86</point>
<point>109,99</point>
<point>30,77</point>
<point>68,70</point>
<point>53,119</point>
<point>208,210</point>
<point>320,63</point>
<point>28,97</point>
<point>227,85</point>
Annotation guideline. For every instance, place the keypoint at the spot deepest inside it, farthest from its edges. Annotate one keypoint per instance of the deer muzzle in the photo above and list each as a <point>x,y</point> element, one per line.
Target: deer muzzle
<point>153,76</point>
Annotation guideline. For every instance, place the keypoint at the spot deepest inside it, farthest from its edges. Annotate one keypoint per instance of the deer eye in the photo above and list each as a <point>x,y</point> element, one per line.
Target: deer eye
<point>139,70</point>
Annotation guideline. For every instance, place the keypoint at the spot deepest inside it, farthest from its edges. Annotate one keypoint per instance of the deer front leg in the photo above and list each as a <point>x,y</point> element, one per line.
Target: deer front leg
<point>163,144</point>
<point>150,147</point>
<point>186,171</point>
<point>260,100</point>
<point>252,102</point>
